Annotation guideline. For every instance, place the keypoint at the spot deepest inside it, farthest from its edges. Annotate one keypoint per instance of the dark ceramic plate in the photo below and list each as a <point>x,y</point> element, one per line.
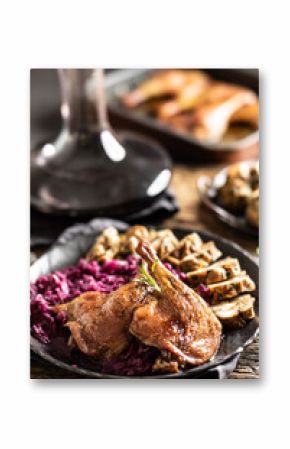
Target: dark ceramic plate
<point>75,241</point>
<point>208,189</point>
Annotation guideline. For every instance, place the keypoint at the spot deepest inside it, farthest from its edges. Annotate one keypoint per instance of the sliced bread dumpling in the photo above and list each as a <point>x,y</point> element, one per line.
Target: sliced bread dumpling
<point>231,288</point>
<point>220,271</point>
<point>207,254</point>
<point>237,312</point>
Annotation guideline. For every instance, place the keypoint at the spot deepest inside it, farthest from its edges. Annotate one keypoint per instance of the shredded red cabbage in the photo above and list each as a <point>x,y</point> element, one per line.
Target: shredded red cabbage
<point>178,273</point>
<point>64,285</point>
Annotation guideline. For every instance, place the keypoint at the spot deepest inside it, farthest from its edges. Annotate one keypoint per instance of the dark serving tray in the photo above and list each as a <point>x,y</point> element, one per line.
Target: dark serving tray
<point>76,240</point>
<point>181,146</point>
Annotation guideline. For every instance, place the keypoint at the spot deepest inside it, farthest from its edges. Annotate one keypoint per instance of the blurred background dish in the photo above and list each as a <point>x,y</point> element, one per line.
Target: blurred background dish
<point>200,115</point>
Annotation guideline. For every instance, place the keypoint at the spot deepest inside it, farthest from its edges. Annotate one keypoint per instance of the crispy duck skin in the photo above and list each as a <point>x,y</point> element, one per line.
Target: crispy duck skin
<point>220,271</point>
<point>177,319</point>
<point>99,322</point>
<point>231,288</point>
<point>236,312</point>
<point>166,82</point>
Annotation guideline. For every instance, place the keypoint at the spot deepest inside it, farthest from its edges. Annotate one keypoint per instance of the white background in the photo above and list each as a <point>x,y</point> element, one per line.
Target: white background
<point>56,414</point>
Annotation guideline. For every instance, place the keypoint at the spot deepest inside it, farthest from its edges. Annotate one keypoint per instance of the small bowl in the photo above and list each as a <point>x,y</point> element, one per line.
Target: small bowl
<point>208,190</point>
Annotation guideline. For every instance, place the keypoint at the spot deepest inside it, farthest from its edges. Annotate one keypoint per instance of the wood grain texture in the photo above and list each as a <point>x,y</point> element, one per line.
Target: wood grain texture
<point>196,216</point>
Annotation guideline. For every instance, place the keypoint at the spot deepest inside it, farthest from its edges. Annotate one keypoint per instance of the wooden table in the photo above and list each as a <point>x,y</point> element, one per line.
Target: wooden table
<point>194,215</point>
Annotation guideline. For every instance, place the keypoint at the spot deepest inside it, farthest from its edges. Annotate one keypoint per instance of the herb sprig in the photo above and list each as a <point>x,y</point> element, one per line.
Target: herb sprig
<point>147,278</point>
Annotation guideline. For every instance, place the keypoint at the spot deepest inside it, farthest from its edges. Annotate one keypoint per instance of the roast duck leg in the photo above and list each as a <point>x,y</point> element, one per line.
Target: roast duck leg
<point>99,322</point>
<point>175,319</point>
<point>172,318</point>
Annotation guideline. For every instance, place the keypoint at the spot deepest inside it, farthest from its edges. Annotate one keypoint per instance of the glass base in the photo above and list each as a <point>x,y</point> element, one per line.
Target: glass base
<point>97,174</point>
